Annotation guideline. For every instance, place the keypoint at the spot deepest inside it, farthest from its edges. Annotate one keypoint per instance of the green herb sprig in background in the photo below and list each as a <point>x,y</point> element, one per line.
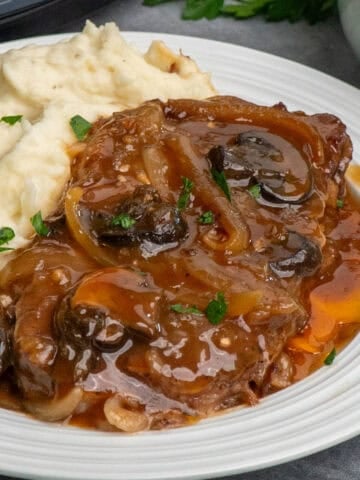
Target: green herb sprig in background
<point>274,10</point>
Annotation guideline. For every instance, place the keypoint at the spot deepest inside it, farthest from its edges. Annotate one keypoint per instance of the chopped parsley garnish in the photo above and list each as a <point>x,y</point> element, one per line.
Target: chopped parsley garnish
<point>6,234</point>
<point>185,193</point>
<point>39,226</point>
<point>339,203</point>
<point>178,308</point>
<point>80,126</point>
<point>207,218</point>
<point>255,191</point>
<point>331,357</point>
<point>217,308</point>
<point>220,179</point>
<point>274,10</point>
<point>123,220</point>
<point>11,119</point>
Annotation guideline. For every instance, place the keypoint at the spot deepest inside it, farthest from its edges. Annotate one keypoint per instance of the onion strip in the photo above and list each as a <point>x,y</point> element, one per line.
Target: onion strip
<point>196,168</point>
<point>242,112</point>
<point>56,409</point>
<point>78,231</point>
<point>156,166</point>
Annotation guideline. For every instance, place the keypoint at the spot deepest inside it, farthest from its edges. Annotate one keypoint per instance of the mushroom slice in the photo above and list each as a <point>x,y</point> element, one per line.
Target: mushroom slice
<point>148,218</point>
<point>304,261</point>
<point>253,160</point>
<point>125,295</point>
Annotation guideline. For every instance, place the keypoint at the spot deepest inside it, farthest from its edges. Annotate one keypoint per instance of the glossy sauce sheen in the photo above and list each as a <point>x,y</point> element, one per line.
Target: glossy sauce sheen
<point>94,301</point>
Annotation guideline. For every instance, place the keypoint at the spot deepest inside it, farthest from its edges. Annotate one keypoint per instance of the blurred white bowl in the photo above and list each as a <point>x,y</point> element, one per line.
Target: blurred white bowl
<point>350,18</point>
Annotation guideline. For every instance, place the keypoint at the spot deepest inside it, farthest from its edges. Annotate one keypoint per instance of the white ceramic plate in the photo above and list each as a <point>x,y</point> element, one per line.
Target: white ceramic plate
<point>316,413</point>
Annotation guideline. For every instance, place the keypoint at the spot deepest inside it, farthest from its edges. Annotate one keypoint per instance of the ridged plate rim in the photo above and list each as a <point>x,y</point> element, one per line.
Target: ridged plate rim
<point>317,413</point>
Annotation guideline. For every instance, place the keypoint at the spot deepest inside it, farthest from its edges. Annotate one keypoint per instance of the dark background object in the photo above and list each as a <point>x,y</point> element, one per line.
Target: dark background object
<point>36,17</point>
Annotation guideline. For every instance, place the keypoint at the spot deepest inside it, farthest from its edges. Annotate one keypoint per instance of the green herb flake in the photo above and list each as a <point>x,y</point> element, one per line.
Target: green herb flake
<point>274,10</point>
<point>196,9</point>
<point>340,203</point>
<point>39,226</point>
<point>6,234</point>
<point>220,179</point>
<point>123,220</point>
<point>331,357</point>
<point>185,193</point>
<point>217,308</point>
<point>11,119</point>
<point>178,308</point>
<point>207,218</point>
<point>80,126</point>
<point>5,249</point>
<point>255,191</point>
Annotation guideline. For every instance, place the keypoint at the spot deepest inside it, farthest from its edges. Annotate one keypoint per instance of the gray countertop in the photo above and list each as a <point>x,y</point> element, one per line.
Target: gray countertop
<point>322,46</point>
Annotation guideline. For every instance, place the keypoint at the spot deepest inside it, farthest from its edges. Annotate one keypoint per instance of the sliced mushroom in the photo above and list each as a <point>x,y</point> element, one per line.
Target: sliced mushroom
<point>34,345</point>
<point>252,159</point>
<point>304,261</point>
<point>105,309</point>
<point>84,327</point>
<point>153,221</point>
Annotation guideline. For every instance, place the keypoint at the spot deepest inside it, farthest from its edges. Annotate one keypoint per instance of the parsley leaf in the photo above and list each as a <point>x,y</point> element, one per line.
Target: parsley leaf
<point>80,126</point>
<point>196,9</point>
<point>339,203</point>
<point>220,179</point>
<point>247,9</point>
<point>39,226</point>
<point>178,308</point>
<point>331,357</point>
<point>216,310</point>
<point>207,218</point>
<point>6,234</point>
<point>185,193</point>
<point>123,220</point>
<point>11,119</point>
<point>255,191</point>
<point>274,10</point>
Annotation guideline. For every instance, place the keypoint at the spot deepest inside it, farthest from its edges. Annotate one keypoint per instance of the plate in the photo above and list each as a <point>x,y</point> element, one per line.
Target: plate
<point>314,414</point>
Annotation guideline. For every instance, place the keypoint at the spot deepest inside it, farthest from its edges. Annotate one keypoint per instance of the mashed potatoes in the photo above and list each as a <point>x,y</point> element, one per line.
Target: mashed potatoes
<point>93,74</point>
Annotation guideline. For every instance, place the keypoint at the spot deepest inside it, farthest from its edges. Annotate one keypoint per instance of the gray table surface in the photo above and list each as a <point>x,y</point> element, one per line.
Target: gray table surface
<point>322,46</point>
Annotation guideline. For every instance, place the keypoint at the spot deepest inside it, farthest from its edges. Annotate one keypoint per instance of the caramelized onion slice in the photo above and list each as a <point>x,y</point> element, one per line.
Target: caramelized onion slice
<point>79,231</point>
<point>196,168</point>
<point>232,109</point>
<point>124,419</point>
<point>304,261</point>
<point>56,409</point>
<point>243,302</point>
<point>156,166</point>
<point>125,294</point>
